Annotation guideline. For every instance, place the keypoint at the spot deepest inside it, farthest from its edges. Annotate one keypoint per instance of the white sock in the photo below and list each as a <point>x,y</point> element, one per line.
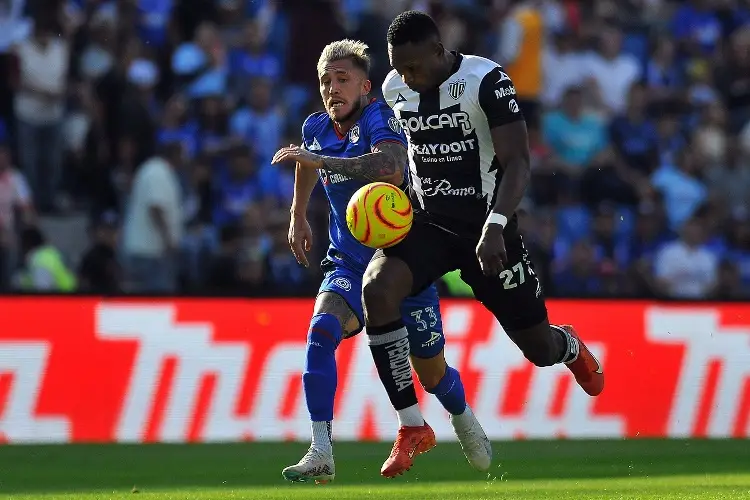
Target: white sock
<point>321,436</point>
<point>410,417</point>
<point>464,420</point>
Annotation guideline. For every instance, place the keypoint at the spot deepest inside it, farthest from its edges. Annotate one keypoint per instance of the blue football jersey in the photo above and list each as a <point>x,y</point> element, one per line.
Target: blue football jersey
<point>377,124</point>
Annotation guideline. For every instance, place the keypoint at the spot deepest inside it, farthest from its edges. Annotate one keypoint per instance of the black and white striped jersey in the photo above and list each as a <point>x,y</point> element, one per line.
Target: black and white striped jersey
<point>452,165</point>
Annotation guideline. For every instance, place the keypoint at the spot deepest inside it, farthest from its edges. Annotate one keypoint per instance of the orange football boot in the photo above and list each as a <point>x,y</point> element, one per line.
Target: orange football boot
<point>410,442</point>
<point>586,368</point>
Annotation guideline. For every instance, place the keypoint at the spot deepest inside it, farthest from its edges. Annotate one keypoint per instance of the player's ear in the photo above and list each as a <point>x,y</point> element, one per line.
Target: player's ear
<point>366,87</point>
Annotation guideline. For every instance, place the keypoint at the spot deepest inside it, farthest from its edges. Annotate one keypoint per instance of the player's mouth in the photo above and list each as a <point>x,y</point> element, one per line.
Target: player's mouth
<point>336,104</point>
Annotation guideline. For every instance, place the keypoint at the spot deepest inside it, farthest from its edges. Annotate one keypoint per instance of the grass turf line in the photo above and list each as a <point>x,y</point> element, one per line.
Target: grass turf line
<point>616,469</point>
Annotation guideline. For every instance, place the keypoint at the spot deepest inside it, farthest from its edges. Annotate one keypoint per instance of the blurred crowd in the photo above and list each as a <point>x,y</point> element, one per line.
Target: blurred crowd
<point>157,119</point>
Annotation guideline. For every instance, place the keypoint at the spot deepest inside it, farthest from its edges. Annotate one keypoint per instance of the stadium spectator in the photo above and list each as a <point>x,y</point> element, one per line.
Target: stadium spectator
<point>576,137</point>
<point>41,89</point>
<point>99,271</point>
<point>681,186</point>
<point>563,55</point>
<point>611,71</point>
<point>521,53</point>
<point>259,122</point>
<point>579,275</point>
<point>15,197</point>
<point>44,269</point>
<point>153,223</point>
<point>685,268</point>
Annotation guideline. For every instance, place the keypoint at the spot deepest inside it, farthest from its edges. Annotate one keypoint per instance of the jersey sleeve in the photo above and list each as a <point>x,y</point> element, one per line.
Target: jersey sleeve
<point>305,131</point>
<point>497,98</point>
<point>383,126</point>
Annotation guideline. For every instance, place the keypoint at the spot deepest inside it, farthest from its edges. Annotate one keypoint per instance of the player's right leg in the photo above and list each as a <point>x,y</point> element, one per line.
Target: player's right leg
<point>333,320</point>
<point>516,299</point>
<point>393,274</point>
<point>425,325</point>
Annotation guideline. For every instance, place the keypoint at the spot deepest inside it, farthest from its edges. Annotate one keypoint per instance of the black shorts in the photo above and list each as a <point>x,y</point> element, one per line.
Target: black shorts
<point>515,297</point>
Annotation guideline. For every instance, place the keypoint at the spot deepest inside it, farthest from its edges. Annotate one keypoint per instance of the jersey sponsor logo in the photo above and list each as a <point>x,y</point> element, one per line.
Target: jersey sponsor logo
<point>503,77</point>
<point>513,106</point>
<point>430,152</point>
<point>315,146</point>
<point>459,119</point>
<point>456,89</point>
<point>342,283</point>
<point>327,177</point>
<point>505,92</point>
<point>394,124</point>
<point>398,354</point>
<point>443,187</point>
<point>434,338</point>
<point>400,98</point>
<point>354,134</point>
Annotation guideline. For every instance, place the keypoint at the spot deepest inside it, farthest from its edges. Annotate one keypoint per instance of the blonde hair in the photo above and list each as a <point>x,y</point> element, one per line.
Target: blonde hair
<point>345,49</point>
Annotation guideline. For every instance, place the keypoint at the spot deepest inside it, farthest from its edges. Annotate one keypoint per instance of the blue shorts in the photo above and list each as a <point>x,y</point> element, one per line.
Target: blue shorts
<point>421,313</point>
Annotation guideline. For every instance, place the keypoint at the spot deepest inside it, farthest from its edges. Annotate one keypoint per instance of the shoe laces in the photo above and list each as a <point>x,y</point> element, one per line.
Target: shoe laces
<point>400,438</point>
<point>312,454</point>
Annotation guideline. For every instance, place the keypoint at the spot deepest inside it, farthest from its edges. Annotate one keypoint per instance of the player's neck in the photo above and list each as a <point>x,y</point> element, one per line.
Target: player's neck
<point>449,61</point>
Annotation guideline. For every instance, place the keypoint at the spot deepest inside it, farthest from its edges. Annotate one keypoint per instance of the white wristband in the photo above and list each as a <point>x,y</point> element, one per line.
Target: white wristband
<point>496,218</point>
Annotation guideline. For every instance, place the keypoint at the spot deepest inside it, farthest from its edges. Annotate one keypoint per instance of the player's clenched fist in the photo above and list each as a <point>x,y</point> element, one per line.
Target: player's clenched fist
<point>491,250</point>
<point>298,154</point>
<point>300,239</point>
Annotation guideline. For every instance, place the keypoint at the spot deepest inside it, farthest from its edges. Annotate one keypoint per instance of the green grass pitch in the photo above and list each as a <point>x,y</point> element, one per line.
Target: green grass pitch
<point>523,470</point>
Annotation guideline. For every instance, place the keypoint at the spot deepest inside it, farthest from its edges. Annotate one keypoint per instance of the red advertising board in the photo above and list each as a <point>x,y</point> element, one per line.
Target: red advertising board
<point>86,369</point>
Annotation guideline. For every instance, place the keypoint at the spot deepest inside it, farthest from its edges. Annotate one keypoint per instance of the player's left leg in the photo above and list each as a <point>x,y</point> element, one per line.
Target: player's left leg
<point>337,315</point>
<point>423,321</point>
<point>516,299</point>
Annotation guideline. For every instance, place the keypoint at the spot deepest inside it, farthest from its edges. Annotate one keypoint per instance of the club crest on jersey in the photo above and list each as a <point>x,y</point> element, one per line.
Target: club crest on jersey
<point>456,89</point>
<point>394,124</point>
<point>342,283</point>
<point>354,134</point>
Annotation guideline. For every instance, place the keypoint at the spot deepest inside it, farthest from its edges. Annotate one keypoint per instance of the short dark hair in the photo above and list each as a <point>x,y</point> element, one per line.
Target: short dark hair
<point>412,26</point>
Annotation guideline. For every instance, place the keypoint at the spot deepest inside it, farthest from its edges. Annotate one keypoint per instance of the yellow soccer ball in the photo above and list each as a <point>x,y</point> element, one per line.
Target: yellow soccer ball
<point>379,215</point>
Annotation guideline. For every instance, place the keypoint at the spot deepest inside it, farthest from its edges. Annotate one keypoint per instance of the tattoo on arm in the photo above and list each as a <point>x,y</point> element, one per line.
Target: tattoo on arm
<point>386,162</point>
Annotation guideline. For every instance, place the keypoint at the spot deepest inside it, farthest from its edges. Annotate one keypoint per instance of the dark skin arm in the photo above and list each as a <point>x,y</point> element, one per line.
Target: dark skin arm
<point>511,145</point>
<point>385,163</point>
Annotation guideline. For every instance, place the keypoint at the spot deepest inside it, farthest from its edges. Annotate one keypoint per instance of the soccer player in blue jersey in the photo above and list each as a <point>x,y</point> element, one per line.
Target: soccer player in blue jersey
<point>355,141</point>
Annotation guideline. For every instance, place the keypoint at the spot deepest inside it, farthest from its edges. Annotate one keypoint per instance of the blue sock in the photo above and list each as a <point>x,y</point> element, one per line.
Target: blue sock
<point>320,378</point>
<point>450,392</point>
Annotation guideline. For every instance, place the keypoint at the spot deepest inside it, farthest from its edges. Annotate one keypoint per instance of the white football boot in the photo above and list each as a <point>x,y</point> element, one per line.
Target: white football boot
<point>315,466</point>
<point>474,442</point>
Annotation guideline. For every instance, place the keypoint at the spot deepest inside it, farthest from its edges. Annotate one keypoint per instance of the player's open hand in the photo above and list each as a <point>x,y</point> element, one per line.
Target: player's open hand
<point>300,239</point>
<point>491,250</point>
<point>298,154</point>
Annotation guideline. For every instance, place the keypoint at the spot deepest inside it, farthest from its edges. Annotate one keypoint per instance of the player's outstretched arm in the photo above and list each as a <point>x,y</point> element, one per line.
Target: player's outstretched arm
<point>385,163</point>
<point>300,233</point>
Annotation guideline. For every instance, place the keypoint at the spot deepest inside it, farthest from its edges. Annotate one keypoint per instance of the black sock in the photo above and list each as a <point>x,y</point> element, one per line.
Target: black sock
<point>568,344</point>
<point>389,345</point>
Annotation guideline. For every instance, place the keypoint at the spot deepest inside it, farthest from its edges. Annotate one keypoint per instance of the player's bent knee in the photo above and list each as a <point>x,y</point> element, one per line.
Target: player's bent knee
<point>430,371</point>
<point>539,350</point>
<point>325,333</point>
<point>334,304</point>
